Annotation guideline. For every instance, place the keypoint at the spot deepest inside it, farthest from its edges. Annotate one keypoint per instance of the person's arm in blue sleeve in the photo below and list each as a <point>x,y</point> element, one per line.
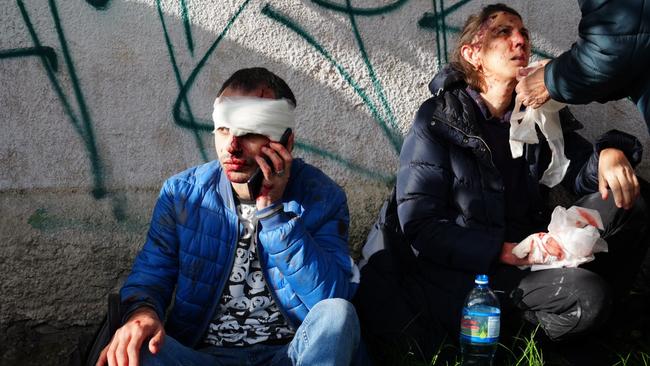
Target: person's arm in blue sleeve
<point>316,264</point>
<point>155,270</point>
<point>147,291</point>
<point>580,75</point>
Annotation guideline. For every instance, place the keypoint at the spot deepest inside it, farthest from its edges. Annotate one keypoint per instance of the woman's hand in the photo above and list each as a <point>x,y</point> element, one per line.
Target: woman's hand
<point>549,247</point>
<point>616,173</point>
<point>508,257</point>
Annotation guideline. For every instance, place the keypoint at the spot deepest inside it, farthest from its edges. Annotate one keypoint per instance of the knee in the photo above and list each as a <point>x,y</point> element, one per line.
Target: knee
<point>593,301</point>
<point>164,355</point>
<point>587,305</point>
<point>639,211</point>
<point>633,220</point>
<point>338,315</point>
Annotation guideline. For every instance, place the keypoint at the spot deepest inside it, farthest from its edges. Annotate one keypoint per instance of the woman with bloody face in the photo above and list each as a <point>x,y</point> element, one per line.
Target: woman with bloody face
<point>464,202</point>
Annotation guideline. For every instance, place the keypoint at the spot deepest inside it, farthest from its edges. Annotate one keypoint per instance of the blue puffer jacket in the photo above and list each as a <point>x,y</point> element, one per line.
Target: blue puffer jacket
<point>191,244</point>
<point>450,194</point>
<point>610,59</point>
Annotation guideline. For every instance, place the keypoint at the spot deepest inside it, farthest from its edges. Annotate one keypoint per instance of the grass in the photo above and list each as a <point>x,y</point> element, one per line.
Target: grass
<point>526,351</point>
<point>623,341</point>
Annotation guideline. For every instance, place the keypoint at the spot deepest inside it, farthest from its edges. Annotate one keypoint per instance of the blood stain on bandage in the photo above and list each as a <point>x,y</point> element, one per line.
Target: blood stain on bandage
<point>590,219</point>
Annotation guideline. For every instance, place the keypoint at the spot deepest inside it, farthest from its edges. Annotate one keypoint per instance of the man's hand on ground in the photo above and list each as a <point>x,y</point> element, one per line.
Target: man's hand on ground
<point>124,348</point>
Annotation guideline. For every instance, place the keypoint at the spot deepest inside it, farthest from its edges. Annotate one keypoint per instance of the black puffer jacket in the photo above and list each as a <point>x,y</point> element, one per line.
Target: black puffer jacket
<point>449,192</point>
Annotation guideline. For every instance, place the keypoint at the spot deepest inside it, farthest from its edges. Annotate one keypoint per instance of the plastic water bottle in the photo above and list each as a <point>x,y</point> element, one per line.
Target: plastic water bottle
<point>480,323</point>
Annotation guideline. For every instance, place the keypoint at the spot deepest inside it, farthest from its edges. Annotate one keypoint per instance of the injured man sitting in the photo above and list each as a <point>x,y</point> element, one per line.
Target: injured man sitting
<point>246,260</point>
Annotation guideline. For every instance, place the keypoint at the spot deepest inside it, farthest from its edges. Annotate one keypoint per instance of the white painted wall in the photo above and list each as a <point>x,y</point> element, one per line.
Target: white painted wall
<point>64,248</point>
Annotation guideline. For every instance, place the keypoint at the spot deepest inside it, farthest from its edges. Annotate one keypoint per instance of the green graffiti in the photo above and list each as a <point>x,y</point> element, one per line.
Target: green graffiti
<point>393,130</point>
<point>177,74</point>
<point>38,220</point>
<point>188,120</point>
<point>185,15</point>
<point>89,135</point>
<point>46,52</point>
<point>360,11</point>
<point>443,26</point>
<point>387,124</point>
<point>98,4</point>
<point>541,53</point>
<point>184,118</point>
<point>46,222</point>
<point>431,20</point>
<point>388,179</point>
<point>81,124</point>
<point>378,105</point>
<point>293,26</point>
<point>436,21</point>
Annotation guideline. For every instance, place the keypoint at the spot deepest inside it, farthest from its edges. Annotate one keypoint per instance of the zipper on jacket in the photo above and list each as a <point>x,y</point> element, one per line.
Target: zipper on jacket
<point>468,136</point>
<point>268,284</point>
<point>221,287</point>
<point>484,143</point>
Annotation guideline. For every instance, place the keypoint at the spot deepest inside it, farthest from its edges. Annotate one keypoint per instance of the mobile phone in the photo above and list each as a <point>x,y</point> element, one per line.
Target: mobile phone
<point>255,181</point>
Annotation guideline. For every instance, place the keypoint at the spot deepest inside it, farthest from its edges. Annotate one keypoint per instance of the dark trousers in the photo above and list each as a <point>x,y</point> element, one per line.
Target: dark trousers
<point>417,308</point>
<point>569,301</point>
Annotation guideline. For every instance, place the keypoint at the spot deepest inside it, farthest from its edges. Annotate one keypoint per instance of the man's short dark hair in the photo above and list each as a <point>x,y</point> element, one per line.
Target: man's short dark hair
<point>249,79</point>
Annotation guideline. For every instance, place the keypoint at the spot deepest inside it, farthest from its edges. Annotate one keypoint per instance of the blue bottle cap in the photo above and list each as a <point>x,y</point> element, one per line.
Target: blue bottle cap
<point>481,279</point>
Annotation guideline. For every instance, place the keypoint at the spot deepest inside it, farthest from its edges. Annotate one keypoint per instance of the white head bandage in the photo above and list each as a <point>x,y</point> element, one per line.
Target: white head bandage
<point>243,115</point>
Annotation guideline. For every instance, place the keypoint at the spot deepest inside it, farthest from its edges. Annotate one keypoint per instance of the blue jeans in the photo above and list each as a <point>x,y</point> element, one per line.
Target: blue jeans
<point>329,335</point>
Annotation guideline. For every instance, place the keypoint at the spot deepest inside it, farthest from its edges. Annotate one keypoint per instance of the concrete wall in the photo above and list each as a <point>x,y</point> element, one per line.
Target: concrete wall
<point>101,100</point>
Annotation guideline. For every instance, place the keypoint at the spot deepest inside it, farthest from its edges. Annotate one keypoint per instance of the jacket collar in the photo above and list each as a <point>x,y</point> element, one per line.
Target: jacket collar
<point>446,79</point>
<point>225,189</point>
<point>454,105</point>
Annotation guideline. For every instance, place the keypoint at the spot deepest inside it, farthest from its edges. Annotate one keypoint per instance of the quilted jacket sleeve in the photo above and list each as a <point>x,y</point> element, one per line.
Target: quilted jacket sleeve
<point>607,57</point>
<point>153,277</point>
<point>578,77</point>
<point>314,262</point>
<point>425,208</point>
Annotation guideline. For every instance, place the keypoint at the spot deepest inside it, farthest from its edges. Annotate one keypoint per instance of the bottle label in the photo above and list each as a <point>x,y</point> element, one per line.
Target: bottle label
<point>480,324</point>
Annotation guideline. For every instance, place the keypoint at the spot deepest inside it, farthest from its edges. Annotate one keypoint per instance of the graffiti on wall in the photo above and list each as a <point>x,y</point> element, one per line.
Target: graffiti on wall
<point>77,109</point>
<point>379,107</point>
<point>80,120</point>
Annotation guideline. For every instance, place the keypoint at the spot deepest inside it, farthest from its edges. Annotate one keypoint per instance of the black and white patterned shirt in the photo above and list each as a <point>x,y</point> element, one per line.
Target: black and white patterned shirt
<point>247,313</point>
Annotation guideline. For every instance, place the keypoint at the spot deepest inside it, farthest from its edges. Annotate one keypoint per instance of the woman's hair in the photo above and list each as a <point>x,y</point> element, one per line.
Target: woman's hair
<point>472,34</point>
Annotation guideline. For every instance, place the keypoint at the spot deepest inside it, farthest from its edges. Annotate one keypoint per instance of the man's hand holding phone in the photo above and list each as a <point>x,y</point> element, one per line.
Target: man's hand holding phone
<point>274,162</point>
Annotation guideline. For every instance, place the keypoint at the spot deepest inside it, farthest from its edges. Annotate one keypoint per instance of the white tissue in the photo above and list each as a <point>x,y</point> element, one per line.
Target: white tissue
<point>575,230</point>
<point>522,131</point>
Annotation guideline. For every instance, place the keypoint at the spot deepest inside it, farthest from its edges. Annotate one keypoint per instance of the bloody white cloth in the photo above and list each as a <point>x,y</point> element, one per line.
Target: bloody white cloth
<point>575,230</point>
<point>522,131</point>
